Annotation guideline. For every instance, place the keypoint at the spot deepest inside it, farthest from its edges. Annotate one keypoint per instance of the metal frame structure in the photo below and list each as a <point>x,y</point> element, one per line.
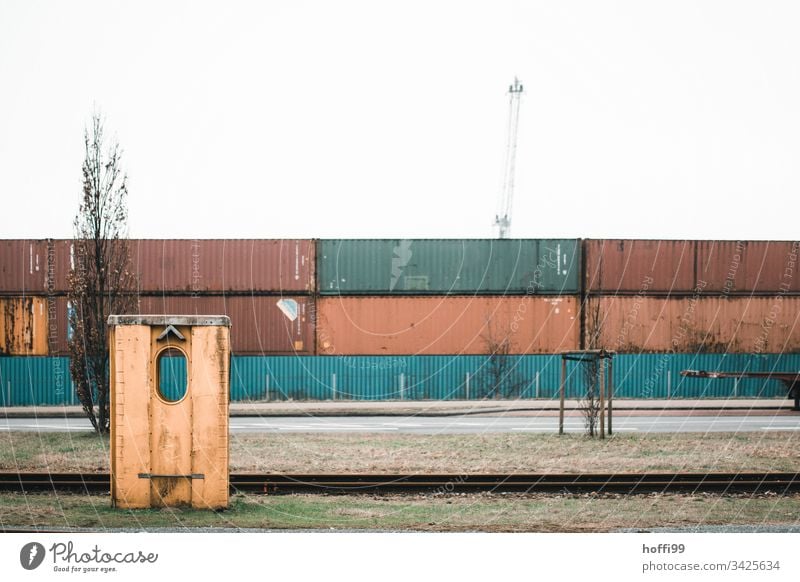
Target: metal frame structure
<point>585,356</point>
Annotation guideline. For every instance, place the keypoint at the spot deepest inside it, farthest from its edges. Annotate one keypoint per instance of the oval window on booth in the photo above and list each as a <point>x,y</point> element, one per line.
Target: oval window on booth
<point>172,375</point>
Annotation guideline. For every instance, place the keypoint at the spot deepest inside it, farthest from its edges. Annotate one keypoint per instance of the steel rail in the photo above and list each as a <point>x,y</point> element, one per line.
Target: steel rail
<point>443,483</point>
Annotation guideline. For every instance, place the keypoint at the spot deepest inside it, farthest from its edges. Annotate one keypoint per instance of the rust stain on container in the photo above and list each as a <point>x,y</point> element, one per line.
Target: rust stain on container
<point>696,324</point>
<point>445,325</point>
<point>23,326</point>
<point>217,265</point>
<point>633,266</point>
<point>259,324</point>
<point>745,267</point>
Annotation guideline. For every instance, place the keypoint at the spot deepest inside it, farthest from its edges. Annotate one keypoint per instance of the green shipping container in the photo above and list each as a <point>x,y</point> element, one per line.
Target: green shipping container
<point>448,266</point>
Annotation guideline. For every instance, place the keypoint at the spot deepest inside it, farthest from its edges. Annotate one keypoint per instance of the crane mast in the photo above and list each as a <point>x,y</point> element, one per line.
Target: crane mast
<point>502,219</point>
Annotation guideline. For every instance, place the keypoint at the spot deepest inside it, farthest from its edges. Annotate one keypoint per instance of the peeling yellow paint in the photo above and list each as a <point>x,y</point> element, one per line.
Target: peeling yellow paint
<point>175,453</point>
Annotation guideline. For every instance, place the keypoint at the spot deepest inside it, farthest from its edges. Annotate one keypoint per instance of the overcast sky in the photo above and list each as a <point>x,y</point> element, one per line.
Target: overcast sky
<point>372,119</point>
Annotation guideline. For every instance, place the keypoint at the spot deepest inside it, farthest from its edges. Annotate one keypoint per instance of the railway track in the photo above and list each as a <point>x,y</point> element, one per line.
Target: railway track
<point>443,483</point>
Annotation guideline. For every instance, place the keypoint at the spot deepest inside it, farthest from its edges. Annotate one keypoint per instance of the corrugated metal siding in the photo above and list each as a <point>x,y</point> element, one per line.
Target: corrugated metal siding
<point>633,266</point>
<point>385,378</point>
<point>27,381</point>
<point>703,324</point>
<point>658,375</point>
<point>34,266</point>
<point>446,325</point>
<point>445,377</point>
<point>440,266</point>
<point>748,266</point>
<point>258,325</point>
<point>23,266</point>
<point>214,266</point>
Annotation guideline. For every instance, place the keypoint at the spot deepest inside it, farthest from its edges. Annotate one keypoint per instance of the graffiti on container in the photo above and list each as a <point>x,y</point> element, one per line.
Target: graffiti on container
<point>760,345</point>
<point>401,255</point>
<point>678,337</point>
<point>195,267</point>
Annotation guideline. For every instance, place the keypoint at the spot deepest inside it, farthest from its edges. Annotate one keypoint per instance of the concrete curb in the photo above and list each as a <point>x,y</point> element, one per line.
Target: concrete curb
<point>432,408</point>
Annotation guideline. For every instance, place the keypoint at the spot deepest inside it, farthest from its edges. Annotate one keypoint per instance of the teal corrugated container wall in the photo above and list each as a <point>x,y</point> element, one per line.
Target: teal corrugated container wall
<point>446,377</point>
<point>27,381</point>
<point>35,380</point>
<point>658,375</point>
<point>448,266</point>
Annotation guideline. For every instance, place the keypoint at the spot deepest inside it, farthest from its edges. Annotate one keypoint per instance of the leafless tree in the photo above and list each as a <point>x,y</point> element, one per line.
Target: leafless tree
<point>101,281</point>
<point>500,377</point>
<point>590,403</point>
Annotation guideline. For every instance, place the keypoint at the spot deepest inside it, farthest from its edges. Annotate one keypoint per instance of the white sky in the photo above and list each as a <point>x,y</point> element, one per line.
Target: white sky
<point>672,119</point>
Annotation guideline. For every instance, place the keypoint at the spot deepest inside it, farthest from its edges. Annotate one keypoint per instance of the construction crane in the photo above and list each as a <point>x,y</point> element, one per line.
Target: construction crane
<point>502,219</point>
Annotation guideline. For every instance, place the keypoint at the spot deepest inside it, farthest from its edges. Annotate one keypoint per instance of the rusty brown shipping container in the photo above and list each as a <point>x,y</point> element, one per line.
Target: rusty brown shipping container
<point>748,267</point>
<point>216,266</point>
<point>36,267</point>
<point>695,324</point>
<point>23,326</point>
<point>259,324</point>
<point>445,325</point>
<point>23,266</point>
<point>640,266</point>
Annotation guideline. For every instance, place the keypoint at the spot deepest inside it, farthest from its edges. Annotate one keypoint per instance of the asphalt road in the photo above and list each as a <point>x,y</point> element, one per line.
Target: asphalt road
<point>454,424</point>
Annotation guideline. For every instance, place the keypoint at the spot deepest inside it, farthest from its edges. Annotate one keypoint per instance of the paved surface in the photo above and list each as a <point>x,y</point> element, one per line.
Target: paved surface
<point>456,424</point>
<point>438,407</point>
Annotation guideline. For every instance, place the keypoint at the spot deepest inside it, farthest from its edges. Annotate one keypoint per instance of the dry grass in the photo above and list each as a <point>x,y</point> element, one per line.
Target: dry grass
<point>319,453</point>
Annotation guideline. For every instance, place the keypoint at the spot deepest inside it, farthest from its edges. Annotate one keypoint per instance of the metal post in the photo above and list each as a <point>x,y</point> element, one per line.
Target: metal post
<point>669,384</point>
<point>602,398</point>
<point>610,393</point>
<point>8,401</point>
<point>402,386</point>
<point>561,391</point>
<point>537,385</point>
<point>735,387</point>
<point>466,385</point>
<point>333,385</point>
<point>266,388</point>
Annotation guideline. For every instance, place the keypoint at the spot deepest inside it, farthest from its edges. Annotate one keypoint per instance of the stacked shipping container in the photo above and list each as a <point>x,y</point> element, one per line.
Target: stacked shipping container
<point>417,318</point>
<point>428,296</point>
<point>692,296</point>
<point>265,286</point>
